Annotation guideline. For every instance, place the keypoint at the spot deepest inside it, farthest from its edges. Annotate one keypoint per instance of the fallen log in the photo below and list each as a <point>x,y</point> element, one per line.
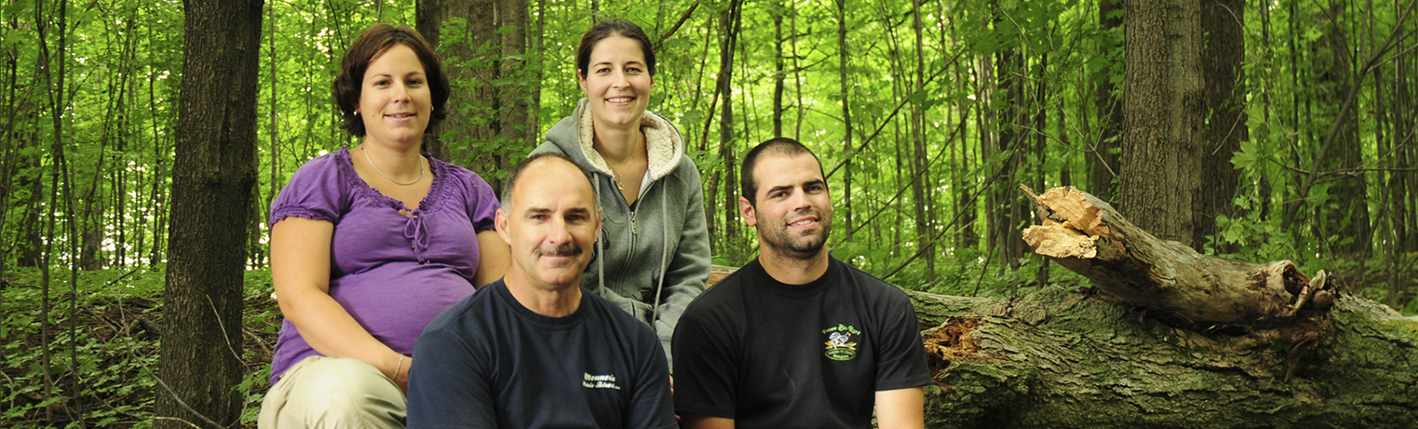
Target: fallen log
<point>1074,359</point>
<point>1165,338</point>
<point>1089,237</point>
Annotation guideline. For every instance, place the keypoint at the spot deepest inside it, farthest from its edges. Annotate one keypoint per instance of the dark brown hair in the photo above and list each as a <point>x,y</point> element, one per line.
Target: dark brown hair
<point>372,43</point>
<point>612,27</point>
<point>780,146</point>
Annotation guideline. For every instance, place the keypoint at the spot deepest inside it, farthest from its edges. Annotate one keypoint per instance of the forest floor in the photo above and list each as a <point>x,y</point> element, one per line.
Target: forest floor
<point>118,324</point>
<point>113,365</point>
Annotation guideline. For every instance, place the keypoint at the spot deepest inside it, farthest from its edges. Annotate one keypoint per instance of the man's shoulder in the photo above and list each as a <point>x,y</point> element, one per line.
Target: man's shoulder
<point>866,283</point>
<point>728,291</point>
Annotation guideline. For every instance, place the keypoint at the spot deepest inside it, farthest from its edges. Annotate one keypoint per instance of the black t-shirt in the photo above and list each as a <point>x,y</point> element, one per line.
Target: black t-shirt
<point>490,362</point>
<point>773,355</point>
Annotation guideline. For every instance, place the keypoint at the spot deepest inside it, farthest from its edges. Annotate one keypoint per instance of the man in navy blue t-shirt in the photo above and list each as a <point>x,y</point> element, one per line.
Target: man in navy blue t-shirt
<point>534,350</point>
<point>797,338</point>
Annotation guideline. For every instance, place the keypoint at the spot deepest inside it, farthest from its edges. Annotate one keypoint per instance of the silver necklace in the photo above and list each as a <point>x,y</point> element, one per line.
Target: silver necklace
<point>386,176</point>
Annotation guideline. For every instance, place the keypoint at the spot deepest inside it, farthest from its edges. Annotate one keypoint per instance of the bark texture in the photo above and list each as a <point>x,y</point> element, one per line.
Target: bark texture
<point>213,176</point>
<point>1074,359</point>
<point>428,18</point>
<point>1223,56</point>
<point>1344,215</point>
<point>1238,345</point>
<point>1163,108</point>
<point>1103,159</point>
<point>1089,237</point>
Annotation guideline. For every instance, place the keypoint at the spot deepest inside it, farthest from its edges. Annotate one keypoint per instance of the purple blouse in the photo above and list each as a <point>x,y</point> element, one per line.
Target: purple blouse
<point>391,272</point>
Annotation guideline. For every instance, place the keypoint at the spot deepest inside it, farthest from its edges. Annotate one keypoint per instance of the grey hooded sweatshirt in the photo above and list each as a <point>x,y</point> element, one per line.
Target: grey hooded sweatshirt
<point>652,258</point>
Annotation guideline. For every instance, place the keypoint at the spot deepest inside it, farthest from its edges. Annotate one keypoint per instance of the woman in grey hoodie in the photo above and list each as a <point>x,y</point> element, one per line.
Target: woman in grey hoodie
<point>653,252</point>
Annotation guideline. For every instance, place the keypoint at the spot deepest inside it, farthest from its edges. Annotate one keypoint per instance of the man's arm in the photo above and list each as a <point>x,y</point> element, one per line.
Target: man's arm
<point>448,388</point>
<point>701,422</point>
<point>652,403</point>
<point>900,408</point>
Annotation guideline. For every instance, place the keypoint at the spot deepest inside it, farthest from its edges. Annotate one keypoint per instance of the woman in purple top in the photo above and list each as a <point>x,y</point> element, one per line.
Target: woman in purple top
<point>369,244</point>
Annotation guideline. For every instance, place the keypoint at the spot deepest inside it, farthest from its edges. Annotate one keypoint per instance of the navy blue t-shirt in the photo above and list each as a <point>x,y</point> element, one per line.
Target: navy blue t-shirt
<point>490,362</point>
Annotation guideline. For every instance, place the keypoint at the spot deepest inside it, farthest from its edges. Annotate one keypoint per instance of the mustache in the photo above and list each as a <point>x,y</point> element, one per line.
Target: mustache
<point>566,249</point>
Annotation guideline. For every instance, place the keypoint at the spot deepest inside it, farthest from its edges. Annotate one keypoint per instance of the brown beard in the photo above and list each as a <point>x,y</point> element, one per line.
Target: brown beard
<point>779,240</point>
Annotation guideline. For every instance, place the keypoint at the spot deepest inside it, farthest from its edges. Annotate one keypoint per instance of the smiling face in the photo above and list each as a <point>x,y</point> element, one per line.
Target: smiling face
<point>617,83</point>
<point>395,102</point>
<point>793,211</point>
<point>550,224</point>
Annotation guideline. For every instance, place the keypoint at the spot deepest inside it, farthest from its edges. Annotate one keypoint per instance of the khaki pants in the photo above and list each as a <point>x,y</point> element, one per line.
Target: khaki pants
<point>322,392</point>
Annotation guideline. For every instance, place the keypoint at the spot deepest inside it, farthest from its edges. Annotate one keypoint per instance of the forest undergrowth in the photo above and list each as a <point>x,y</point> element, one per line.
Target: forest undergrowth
<point>112,371</point>
<point>114,368</point>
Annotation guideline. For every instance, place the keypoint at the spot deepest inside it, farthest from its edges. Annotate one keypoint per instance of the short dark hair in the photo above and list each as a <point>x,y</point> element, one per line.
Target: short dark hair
<point>372,43</point>
<point>781,146</point>
<point>612,27</point>
<point>514,175</point>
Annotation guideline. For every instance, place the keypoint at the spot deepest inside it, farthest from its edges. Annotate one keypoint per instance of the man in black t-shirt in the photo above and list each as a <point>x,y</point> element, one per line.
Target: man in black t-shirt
<point>534,350</point>
<point>796,338</point>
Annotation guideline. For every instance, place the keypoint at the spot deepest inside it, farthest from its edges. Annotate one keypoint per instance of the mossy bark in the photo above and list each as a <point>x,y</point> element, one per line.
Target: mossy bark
<point>1166,338</point>
<point>1072,359</point>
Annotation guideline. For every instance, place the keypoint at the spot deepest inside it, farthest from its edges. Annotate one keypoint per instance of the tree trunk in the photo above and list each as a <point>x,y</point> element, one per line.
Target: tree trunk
<point>966,236</point>
<point>779,74</point>
<point>1222,56</point>
<point>211,189</point>
<point>728,42</point>
<point>1405,191</point>
<point>514,113</point>
<point>1345,215</point>
<point>1007,101</point>
<point>538,75</point>
<point>1041,124</point>
<point>1166,338</point>
<point>846,86</point>
<point>92,235</point>
<point>1163,104</point>
<point>31,241</point>
<point>1103,160</point>
<point>428,18</point>
<point>921,190</point>
<point>472,107</point>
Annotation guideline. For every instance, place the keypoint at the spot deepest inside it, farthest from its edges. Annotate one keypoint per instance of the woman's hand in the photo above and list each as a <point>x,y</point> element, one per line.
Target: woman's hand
<point>400,375</point>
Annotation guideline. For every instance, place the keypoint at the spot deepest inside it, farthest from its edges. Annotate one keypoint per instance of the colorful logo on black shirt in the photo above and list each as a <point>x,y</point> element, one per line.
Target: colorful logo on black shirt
<point>841,344</point>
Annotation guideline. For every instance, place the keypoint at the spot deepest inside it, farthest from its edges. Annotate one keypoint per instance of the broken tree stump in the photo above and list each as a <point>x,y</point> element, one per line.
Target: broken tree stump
<point>1166,338</point>
<point>1089,237</point>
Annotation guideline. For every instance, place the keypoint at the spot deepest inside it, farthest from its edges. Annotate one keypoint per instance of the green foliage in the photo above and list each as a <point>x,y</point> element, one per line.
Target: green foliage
<point>117,355</point>
<point>122,66</point>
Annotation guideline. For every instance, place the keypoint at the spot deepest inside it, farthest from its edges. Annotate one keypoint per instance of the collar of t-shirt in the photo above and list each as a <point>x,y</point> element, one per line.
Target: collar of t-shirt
<point>527,314</point>
<point>785,290</point>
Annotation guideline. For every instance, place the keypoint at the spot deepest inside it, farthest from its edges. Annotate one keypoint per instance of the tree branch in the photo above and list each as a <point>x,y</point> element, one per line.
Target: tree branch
<point>1344,109</point>
<point>685,17</point>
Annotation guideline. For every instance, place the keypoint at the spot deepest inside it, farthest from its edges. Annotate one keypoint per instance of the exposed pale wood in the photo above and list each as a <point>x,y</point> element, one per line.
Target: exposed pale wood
<point>718,272</point>
<point>1089,237</point>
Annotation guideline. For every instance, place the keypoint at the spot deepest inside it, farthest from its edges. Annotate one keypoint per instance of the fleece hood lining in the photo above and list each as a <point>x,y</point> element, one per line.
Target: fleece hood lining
<point>663,146</point>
